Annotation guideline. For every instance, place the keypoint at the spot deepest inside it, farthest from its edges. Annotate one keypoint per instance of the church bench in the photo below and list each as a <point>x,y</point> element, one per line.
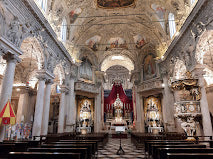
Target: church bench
<point>5,149</point>
<point>30,143</point>
<point>88,146</point>
<point>148,145</point>
<point>102,137</point>
<point>82,151</point>
<point>189,155</point>
<point>153,150</point>
<point>94,144</point>
<point>162,152</point>
<point>97,141</point>
<point>43,155</point>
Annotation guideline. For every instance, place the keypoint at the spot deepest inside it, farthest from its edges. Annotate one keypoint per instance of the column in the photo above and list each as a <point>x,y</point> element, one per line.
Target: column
<point>140,114</point>
<point>71,106</point>
<point>46,109</point>
<point>97,124</point>
<point>39,105</point>
<point>61,117</point>
<point>206,120</point>
<point>7,85</point>
<point>168,107</point>
<point>31,106</point>
<point>1,78</point>
<point>23,103</point>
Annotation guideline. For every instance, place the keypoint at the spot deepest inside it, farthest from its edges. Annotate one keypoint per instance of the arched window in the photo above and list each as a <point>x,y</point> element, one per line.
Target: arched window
<point>192,2</point>
<point>172,26</point>
<point>42,4</point>
<point>64,30</point>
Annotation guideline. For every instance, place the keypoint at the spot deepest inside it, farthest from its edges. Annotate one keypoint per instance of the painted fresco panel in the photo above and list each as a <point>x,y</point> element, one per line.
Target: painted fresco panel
<point>115,3</point>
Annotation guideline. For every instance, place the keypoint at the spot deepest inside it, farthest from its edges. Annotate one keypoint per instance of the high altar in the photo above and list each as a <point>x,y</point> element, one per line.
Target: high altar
<point>118,109</point>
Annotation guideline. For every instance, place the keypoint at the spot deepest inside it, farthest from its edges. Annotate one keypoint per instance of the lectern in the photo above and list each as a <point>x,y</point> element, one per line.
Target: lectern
<point>120,129</point>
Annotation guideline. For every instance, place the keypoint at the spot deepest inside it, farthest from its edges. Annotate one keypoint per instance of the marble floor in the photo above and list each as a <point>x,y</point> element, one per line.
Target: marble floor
<point>109,151</point>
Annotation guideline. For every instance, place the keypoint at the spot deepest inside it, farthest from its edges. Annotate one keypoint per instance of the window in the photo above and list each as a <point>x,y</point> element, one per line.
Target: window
<point>172,26</point>
<point>192,2</point>
<point>42,4</point>
<point>64,30</point>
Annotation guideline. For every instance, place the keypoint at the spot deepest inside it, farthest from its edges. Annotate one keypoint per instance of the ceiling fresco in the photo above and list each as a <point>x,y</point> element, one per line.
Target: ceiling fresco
<point>108,27</point>
<point>111,4</point>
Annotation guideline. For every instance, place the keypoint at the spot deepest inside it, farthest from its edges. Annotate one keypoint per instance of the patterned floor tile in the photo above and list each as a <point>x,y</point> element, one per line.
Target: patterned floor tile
<point>110,150</point>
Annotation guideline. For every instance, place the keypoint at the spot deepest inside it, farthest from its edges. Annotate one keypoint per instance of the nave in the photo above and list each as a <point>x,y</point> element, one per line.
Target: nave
<point>76,73</point>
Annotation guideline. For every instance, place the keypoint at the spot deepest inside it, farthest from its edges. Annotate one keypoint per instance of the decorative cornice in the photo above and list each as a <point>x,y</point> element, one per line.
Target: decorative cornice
<point>44,75</point>
<point>33,8</point>
<point>86,87</point>
<point>9,47</point>
<point>183,29</point>
<point>150,85</point>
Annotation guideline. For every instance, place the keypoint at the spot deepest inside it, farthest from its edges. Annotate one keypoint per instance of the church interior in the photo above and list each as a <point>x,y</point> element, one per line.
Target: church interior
<point>87,79</point>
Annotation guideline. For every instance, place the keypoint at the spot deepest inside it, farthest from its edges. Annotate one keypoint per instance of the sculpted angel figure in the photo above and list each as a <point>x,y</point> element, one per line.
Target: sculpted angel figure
<point>14,33</point>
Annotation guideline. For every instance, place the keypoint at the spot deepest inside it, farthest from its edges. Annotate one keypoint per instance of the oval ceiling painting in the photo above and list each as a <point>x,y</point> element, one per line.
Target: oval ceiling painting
<point>110,4</point>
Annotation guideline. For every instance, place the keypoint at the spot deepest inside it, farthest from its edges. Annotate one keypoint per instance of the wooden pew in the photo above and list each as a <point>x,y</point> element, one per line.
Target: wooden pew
<point>94,144</point>
<point>189,155</point>
<point>149,144</point>
<point>82,151</point>
<point>43,155</point>
<point>162,152</point>
<point>88,146</point>
<point>153,153</point>
<point>5,149</point>
<point>30,143</point>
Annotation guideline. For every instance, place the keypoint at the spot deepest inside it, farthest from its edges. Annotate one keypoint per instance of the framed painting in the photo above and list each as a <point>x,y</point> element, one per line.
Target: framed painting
<point>149,70</point>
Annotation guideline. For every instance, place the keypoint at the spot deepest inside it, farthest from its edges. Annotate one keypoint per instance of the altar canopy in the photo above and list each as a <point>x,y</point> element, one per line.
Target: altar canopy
<point>7,116</point>
<point>117,89</point>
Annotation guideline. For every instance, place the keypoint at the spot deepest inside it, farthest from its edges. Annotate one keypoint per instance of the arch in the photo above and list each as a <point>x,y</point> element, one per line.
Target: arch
<point>172,25</point>
<point>118,59</point>
<point>32,49</point>
<point>204,54</point>
<point>3,64</point>
<point>64,30</point>
<point>86,52</point>
<point>204,48</point>
<point>32,60</point>
<point>59,74</point>
<point>179,70</point>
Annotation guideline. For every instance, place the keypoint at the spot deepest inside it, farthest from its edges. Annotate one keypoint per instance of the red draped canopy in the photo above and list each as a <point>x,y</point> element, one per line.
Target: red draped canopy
<point>117,89</point>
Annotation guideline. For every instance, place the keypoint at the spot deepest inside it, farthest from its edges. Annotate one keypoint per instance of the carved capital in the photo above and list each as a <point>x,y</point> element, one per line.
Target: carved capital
<point>64,89</point>
<point>49,81</point>
<point>11,58</point>
<point>44,75</point>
